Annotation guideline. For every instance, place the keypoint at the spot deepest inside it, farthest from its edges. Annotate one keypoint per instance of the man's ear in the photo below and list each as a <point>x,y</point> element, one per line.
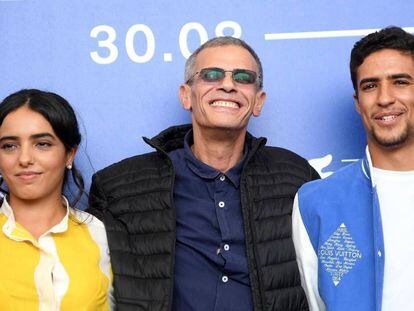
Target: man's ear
<point>259,103</point>
<point>356,102</point>
<point>185,96</point>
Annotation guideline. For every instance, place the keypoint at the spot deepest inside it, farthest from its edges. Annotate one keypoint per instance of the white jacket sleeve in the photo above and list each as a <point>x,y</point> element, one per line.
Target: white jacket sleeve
<point>307,260</point>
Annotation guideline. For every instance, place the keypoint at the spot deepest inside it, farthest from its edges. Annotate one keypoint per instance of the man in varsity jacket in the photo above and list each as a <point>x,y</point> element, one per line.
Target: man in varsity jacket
<point>204,222</point>
<point>353,230</point>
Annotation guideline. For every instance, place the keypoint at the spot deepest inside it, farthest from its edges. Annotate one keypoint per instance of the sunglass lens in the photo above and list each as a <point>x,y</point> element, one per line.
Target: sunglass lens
<point>243,76</point>
<point>212,74</point>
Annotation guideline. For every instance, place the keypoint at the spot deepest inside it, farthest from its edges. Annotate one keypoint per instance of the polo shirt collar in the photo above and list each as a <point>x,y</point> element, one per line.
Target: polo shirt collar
<point>205,171</point>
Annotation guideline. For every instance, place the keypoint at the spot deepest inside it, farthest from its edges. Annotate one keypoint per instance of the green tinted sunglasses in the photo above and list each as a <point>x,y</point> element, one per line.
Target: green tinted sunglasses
<point>214,74</point>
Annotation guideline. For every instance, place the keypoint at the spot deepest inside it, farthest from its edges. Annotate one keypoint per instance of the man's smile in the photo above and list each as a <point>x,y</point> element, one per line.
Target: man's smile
<point>223,103</point>
<point>388,118</point>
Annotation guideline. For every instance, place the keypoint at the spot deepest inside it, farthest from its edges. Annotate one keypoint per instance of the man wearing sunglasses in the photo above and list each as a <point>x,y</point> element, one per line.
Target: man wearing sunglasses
<point>203,223</point>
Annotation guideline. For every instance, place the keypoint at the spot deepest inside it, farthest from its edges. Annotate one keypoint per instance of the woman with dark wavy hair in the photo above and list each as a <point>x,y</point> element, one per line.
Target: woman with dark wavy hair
<point>52,256</point>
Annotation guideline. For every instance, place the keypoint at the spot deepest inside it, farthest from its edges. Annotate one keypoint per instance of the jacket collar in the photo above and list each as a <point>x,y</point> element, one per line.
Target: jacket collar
<point>170,139</point>
<point>173,138</point>
<point>366,165</point>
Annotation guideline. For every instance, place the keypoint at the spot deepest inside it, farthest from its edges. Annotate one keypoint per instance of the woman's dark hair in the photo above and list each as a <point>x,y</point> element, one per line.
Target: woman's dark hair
<point>61,117</point>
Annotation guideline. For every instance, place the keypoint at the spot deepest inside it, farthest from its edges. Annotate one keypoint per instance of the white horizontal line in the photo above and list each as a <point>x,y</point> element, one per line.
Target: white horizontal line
<point>324,34</point>
<point>349,160</point>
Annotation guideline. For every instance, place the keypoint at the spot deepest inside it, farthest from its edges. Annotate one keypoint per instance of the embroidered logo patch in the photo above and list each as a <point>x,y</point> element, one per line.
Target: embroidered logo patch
<point>339,254</point>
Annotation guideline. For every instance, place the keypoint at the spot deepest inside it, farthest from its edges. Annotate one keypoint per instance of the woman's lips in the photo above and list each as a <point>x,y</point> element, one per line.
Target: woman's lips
<point>27,176</point>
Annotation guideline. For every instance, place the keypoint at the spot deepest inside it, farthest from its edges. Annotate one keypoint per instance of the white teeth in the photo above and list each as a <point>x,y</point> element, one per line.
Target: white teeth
<point>388,118</point>
<point>220,103</point>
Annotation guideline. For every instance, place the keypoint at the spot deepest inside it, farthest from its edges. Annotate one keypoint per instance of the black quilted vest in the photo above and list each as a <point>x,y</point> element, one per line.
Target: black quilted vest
<point>134,199</point>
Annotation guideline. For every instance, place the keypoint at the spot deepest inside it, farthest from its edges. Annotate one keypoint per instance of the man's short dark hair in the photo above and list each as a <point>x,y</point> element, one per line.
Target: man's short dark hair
<point>388,38</point>
<point>218,42</point>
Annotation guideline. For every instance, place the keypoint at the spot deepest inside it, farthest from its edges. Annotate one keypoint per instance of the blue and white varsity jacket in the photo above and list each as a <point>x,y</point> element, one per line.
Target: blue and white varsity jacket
<point>338,240</point>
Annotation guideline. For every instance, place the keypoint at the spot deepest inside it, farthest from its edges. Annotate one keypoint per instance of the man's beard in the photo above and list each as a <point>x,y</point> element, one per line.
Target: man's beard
<point>393,141</point>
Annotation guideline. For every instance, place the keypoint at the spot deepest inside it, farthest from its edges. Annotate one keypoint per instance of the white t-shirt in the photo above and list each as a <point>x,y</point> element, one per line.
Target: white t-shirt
<point>396,197</point>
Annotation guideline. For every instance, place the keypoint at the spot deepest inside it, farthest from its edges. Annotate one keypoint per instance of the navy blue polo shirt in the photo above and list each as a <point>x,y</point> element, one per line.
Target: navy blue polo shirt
<point>211,271</point>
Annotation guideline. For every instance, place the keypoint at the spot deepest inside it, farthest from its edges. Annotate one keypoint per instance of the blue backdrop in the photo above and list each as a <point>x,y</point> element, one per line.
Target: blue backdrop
<point>119,63</point>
